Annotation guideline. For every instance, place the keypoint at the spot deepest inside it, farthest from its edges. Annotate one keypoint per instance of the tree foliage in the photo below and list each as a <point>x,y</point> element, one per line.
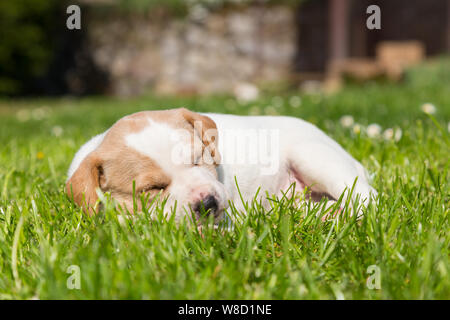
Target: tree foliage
<point>26,28</point>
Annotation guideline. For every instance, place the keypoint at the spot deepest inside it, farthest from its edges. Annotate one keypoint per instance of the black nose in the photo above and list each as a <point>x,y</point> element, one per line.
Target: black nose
<point>209,205</point>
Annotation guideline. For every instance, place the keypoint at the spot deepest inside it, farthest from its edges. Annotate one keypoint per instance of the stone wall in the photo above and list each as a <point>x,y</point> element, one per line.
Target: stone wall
<point>202,53</point>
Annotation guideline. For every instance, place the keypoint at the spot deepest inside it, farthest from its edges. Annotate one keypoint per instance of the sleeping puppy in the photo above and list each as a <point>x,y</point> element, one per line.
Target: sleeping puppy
<point>198,163</point>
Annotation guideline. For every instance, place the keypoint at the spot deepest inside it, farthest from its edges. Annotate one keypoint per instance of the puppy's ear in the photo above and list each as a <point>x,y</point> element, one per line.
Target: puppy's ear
<point>207,130</point>
<point>81,187</point>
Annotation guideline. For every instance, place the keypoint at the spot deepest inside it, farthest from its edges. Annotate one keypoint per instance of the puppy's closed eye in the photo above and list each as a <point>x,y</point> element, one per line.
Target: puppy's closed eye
<point>154,188</point>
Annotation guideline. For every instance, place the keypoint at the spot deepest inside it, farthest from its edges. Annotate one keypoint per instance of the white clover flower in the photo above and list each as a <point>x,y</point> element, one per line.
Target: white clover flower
<point>388,134</point>
<point>346,121</point>
<point>39,113</point>
<point>398,134</point>
<point>356,128</point>
<point>277,101</point>
<point>373,130</point>
<point>448,126</point>
<point>295,101</point>
<point>428,108</point>
<point>245,92</point>
<point>393,134</point>
<point>57,131</point>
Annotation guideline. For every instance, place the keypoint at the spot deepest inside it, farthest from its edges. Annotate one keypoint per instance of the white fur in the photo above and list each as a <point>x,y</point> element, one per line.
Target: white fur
<point>167,147</point>
<point>322,162</point>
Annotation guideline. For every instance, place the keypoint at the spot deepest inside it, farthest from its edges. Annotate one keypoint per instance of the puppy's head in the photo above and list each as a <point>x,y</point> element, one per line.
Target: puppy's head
<point>170,155</point>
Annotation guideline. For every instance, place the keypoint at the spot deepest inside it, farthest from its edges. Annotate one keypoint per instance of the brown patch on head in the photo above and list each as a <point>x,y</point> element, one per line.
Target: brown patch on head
<point>123,165</point>
<point>81,187</point>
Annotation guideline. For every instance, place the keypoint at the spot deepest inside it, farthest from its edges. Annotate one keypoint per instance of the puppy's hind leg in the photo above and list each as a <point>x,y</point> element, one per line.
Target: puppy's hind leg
<point>329,170</point>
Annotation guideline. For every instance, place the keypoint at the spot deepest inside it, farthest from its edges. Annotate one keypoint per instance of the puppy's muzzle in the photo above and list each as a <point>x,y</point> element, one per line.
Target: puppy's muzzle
<point>207,206</point>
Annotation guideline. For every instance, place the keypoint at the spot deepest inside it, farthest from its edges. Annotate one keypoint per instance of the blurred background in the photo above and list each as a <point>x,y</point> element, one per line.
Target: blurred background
<point>202,47</point>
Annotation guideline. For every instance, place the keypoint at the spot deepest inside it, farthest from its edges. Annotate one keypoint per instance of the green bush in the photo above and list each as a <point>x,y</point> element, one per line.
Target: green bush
<point>26,42</point>
<point>430,74</point>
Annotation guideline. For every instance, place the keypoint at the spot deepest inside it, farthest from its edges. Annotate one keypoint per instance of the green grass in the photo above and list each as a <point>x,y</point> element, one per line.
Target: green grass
<point>282,254</point>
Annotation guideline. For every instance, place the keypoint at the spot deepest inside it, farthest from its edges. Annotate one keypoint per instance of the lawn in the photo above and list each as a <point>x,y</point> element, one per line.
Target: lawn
<point>281,254</point>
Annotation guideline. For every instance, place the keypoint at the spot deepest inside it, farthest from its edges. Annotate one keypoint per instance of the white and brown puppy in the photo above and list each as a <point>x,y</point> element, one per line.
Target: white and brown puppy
<point>194,161</point>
